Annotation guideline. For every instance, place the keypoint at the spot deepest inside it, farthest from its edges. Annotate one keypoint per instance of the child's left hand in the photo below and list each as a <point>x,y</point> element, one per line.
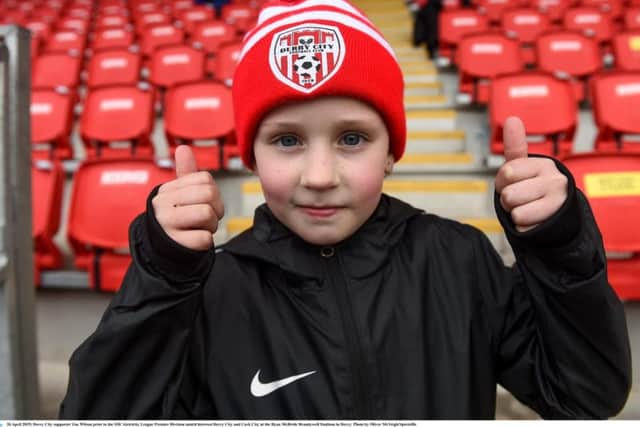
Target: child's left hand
<point>532,189</point>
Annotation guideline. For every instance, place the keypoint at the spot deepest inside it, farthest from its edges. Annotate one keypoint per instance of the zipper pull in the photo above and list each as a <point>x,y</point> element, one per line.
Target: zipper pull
<point>327,251</point>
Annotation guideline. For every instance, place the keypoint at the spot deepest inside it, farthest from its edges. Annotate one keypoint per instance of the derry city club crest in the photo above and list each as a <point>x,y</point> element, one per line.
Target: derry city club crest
<point>306,56</point>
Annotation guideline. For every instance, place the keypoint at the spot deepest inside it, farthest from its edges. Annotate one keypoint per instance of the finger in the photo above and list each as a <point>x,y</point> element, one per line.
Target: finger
<point>185,161</point>
<point>199,240</point>
<point>515,139</point>
<point>522,192</point>
<point>193,217</point>
<point>535,212</point>
<point>187,180</point>
<point>193,195</point>
<point>521,169</point>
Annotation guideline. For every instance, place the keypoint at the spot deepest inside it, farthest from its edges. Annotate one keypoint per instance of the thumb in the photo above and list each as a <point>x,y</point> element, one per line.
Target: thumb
<point>515,140</point>
<point>185,161</point>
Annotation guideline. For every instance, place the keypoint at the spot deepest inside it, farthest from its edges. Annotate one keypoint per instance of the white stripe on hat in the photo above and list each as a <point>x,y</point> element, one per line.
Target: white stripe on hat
<point>343,19</point>
<point>271,11</point>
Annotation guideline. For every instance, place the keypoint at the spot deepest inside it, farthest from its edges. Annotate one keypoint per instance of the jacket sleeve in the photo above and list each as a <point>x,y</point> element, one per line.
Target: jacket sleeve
<point>560,334</point>
<point>133,365</point>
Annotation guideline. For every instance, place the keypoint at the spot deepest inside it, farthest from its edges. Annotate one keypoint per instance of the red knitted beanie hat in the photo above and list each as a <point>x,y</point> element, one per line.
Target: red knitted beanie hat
<point>306,49</point>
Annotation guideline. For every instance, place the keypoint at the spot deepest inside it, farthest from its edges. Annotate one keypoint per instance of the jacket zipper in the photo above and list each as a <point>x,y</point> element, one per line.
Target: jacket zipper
<point>354,346</point>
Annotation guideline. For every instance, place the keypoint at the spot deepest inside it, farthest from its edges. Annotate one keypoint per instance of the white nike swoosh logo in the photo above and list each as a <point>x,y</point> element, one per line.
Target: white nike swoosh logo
<point>259,389</point>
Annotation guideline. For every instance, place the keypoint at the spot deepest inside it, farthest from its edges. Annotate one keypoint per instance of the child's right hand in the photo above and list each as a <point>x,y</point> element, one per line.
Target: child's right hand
<point>189,207</point>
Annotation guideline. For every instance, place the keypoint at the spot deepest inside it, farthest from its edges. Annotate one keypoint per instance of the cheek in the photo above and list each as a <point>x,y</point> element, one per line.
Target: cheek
<point>367,181</point>
<point>277,184</point>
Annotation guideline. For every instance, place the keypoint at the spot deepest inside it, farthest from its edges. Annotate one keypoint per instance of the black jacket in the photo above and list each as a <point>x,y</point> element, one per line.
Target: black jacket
<point>414,316</point>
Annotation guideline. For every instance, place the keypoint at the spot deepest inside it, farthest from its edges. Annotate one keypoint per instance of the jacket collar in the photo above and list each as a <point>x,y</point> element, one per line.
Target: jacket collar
<point>361,255</point>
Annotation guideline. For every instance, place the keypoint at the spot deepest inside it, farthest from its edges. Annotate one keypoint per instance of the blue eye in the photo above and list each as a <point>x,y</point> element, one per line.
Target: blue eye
<point>287,141</point>
<point>352,139</point>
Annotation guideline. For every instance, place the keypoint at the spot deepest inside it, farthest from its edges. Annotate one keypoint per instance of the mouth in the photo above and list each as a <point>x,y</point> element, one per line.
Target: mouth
<point>319,211</point>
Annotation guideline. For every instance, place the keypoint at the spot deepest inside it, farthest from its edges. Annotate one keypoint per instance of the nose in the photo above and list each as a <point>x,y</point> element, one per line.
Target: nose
<point>320,171</point>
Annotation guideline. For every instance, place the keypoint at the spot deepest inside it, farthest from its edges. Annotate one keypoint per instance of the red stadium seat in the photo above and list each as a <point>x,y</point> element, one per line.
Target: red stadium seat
<point>79,25</point>
<point>112,38</point>
<point>525,25</point>
<point>107,195</point>
<point>112,68</point>
<point>493,9</point>
<point>65,41</point>
<point>570,55</point>
<point>626,50</point>
<point>211,35</point>
<point>632,18</point>
<point>51,122</point>
<point>157,36</point>
<point>47,180</point>
<point>176,64</point>
<point>480,58</point>
<point>39,29</point>
<point>455,24</point>
<point>111,21</point>
<point>146,20</point>
<point>243,17</point>
<point>115,115</point>
<point>179,5</point>
<point>591,21</point>
<point>226,61</point>
<point>611,182</point>
<point>194,15</point>
<point>613,8</point>
<point>198,112</point>
<point>546,106</point>
<point>616,97</point>
<point>56,69</point>
<point>554,9</point>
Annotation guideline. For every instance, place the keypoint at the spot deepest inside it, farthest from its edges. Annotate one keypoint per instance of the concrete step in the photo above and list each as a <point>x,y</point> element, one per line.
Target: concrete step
<point>421,102</point>
<point>417,163</point>
<point>431,120</point>
<point>424,88</point>
<point>420,76</point>
<point>423,142</point>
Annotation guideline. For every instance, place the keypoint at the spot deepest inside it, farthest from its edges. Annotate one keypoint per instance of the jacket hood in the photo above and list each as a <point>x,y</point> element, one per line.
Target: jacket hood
<point>365,251</point>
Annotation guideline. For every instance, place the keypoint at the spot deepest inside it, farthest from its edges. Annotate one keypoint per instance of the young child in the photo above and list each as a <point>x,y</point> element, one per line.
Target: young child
<point>342,302</point>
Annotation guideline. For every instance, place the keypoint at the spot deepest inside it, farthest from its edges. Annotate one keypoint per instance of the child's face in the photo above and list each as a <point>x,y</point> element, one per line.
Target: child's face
<point>321,164</point>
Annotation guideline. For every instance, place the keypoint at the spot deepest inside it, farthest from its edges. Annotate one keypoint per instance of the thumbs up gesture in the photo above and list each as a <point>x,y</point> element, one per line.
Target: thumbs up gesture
<point>189,207</point>
<point>531,189</point>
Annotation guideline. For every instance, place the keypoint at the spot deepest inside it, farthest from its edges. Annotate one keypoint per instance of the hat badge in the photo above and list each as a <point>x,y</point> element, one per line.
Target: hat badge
<point>306,56</point>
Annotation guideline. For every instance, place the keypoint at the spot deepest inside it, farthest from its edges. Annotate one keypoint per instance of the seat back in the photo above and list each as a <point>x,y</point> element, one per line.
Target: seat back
<point>494,9</point>
<point>156,36</point>
<point>56,69</point>
<point>632,18</point>
<point>525,24</point>
<point>544,103</point>
<point>488,55</point>
<point>46,202</point>
<point>146,20</point>
<point>197,112</point>
<point>112,38</point>
<point>116,20</point>
<point>554,9</point>
<point>457,23</point>
<point>64,41</point>
<point>106,197</point>
<point>51,122</point>
<point>568,52</point>
<point>211,35</point>
<point>113,67</point>
<point>242,17</point>
<point>192,16</point>
<point>226,62</point>
<point>626,50</point>
<point>611,182</point>
<point>116,114</point>
<point>176,64</point>
<point>590,21</point>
